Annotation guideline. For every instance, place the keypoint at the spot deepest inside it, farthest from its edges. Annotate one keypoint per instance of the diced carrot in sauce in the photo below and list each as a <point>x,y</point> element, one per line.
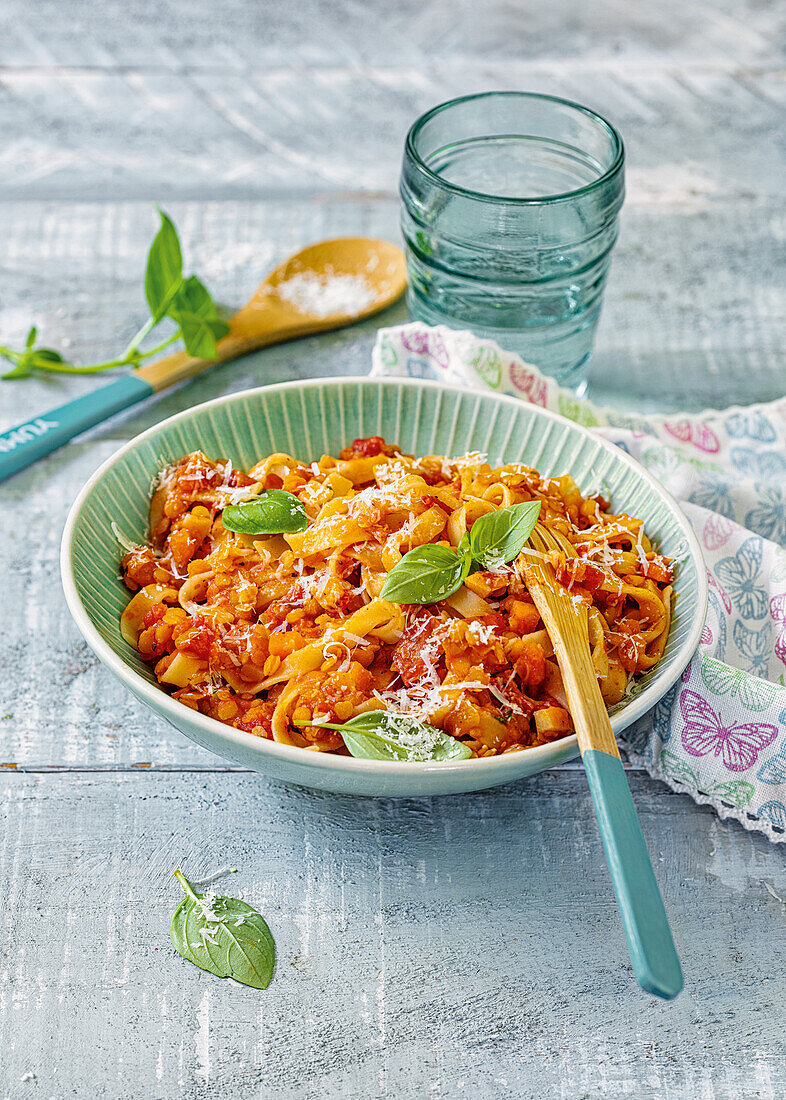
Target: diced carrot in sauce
<point>531,664</point>
<point>524,617</point>
<point>580,571</point>
<point>280,645</point>
<point>156,613</point>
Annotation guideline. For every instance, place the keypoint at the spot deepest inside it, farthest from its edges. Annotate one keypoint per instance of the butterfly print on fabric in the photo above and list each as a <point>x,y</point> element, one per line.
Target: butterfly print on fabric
<point>724,599</point>
<point>767,466</point>
<point>778,613</point>
<point>533,387</point>
<point>697,433</point>
<point>773,771</point>
<point>634,424</point>
<point>416,341</point>
<point>717,532</point>
<point>736,791</point>
<point>752,692</point>
<point>775,812</point>
<point>714,494</point>
<point>739,575</point>
<point>661,714</point>
<point>704,733</point>
<point>768,517</point>
<point>421,368</point>
<point>750,425</point>
<point>754,645</point>
<point>716,622</point>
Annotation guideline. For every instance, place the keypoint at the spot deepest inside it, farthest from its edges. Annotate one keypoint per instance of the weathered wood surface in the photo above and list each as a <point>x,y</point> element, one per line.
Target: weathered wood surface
<point>463,946</point>
<point>457,947</point>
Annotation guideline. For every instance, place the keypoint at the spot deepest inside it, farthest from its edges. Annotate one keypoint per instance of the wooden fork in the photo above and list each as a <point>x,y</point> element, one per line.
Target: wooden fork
<point>654,957</point>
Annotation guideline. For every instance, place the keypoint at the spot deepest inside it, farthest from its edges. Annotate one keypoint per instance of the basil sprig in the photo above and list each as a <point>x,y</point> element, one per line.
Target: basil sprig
<point>430,573</point>
<point>224,936</point>
<point>183,300</point>
<point>386,735</point>
<point>273,513</point>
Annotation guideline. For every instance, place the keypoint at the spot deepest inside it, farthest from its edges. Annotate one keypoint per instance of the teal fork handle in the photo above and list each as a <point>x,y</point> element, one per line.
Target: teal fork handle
<point>652,951</point>
<point>37,437</point>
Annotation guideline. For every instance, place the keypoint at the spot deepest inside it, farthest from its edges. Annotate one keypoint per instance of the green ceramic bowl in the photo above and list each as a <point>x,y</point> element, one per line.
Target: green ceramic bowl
<point>309,419</point>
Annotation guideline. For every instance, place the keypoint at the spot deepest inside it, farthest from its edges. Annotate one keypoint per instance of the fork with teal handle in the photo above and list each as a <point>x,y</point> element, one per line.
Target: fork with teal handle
<point>654,957</point>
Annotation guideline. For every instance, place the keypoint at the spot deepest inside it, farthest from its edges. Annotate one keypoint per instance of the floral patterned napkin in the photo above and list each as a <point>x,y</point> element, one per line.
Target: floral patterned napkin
<point>720,733</point>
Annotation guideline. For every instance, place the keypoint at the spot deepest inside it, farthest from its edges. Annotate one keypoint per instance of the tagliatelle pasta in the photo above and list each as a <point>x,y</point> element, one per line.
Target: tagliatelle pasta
<point>270,633</point>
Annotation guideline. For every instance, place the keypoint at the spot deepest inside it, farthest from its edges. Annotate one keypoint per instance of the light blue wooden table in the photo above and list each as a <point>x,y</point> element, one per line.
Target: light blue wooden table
<point>463,947</point>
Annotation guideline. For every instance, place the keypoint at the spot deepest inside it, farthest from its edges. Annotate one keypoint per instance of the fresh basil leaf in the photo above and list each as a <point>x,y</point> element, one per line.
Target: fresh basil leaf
<point>426,574</point>
<point>200,335</point>
<point>196,315</point>
<point>224,936</point>
<point>500,536</point>
<point>273,513</point>
<point>386,735</point>
<point>48,355</point>
<point>193,297</point>
<point>32,336</point>
<point>164,273</point>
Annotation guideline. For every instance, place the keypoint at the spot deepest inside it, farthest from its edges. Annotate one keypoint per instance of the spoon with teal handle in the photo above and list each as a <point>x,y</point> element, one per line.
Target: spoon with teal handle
<point>267,318</point>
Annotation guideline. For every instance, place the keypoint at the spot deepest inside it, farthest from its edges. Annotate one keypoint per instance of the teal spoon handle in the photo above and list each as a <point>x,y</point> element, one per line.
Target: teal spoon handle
<point>37,437</point>
<point>652,951</point>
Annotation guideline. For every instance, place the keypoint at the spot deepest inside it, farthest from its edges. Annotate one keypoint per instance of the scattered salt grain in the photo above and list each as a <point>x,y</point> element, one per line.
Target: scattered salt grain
<point>323,295</point>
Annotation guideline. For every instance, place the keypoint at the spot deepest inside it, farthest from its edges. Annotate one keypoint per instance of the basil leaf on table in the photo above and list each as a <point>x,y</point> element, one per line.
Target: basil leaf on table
<point>426,574</point>
<point>500,536</point>
<point>275,512</point>
<point>224,936</point>
<point>385,735</point>
<point>164,273</point>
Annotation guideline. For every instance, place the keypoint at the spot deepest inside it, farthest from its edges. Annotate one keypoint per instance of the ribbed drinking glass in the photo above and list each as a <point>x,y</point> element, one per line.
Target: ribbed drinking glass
<point>511,204</point>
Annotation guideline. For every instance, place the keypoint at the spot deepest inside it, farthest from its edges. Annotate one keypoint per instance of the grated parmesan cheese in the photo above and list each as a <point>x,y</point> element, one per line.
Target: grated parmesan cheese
<point>123,542</point>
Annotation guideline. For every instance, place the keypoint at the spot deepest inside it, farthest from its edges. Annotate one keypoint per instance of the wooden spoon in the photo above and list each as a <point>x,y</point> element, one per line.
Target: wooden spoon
<point>271,316</point>
<point>654,957</point>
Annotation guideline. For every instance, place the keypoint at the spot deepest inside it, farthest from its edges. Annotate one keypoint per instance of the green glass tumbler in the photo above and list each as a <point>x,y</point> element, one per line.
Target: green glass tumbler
<point>511,206</point>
